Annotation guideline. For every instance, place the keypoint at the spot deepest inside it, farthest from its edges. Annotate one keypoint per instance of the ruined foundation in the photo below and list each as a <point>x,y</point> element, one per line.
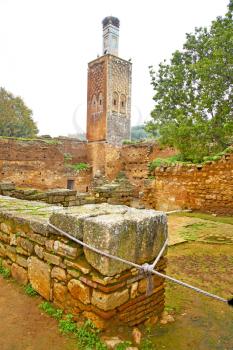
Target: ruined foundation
<point>77,280</point>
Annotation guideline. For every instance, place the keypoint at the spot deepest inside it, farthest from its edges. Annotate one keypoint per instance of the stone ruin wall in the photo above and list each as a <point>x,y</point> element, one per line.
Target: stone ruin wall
<point>37,164</point>
<point>76,280</point>
<point>207,188</point>
<point>41,164</point>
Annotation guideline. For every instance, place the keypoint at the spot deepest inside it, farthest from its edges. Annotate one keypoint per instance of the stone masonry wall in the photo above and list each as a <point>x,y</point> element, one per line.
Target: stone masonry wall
<point>79,281</point>
<point>207,188</point>
<point>41,163</point>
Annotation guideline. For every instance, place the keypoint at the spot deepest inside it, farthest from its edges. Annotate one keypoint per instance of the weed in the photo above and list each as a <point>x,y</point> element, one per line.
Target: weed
<point>51,310</point>
<point>177,159</point>
<point>67,156</point>
<point>4,271</point>
<point>79,166</point>
<point>67,325</point>
<point>124,345</point>
<point>29,290</point>
<point>146,344</point>
<point>88,337</point>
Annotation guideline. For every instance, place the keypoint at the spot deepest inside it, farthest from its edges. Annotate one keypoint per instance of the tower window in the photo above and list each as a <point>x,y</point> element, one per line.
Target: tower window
<point>123,104</point>
<point>115,101</point>
<point>100,102</point>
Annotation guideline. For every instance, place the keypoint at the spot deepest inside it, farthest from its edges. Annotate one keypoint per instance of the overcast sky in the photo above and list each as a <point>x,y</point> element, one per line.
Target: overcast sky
<point>45,46</point>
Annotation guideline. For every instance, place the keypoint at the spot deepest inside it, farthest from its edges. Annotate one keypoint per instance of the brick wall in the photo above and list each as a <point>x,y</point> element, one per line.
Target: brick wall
<point>207,188</point>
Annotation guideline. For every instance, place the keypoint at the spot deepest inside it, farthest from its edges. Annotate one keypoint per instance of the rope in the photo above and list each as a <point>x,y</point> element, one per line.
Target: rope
<point>146,268</point>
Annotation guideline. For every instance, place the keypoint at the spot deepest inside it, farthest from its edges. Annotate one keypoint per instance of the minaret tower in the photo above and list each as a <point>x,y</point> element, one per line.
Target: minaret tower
<point>109,90</point>
<point>111,35</point>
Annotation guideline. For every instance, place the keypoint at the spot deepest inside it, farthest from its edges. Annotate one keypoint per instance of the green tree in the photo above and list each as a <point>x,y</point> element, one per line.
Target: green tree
<point>194,93</point>
<point>138,132</point>
<point>15,117</point>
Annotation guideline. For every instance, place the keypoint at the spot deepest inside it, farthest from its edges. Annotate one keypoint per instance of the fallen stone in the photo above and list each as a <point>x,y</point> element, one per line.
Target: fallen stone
<point>112,342</point>
<point>137,336</point>
<point>151,321</point>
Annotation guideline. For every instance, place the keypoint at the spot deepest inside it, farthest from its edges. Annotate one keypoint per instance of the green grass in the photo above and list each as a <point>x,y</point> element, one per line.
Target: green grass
<point>67,157</point>
<point>51,310</point>
<point>29,290</point>
<point>221,219</point>
<point>67,325</point>
<point>4,271</point>
<point>87,335</point>
<point>47,141</point>
<point>79,166</point>
<point>176,159</point>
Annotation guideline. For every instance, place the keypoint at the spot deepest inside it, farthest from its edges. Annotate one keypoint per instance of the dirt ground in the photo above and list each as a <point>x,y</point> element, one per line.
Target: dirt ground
<point>22,324</point>
<point>205,259</point>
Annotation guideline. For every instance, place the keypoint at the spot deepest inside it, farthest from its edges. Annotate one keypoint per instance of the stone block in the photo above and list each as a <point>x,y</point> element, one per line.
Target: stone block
<point>2,250</point>
<point>80,264</point>
<point>58,273</point>
<point>25,244</point>
<point>11,253</point>
<point>20,260</point>
<point>79,291</point>
<point>39,276</point>
<point>137,236</point>
<point>52,259</point>
<point>6,228</point>
<point>36,238</point>
<point>66,250</point>
<point>59,293</point>
<point>71,220</point>
<point>109,301</point>
<point>39,251</point>
<point>19,274</point>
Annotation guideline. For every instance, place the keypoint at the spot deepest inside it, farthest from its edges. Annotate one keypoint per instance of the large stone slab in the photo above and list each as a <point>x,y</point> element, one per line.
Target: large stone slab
<point>137,235</point>
<point>71,220</point>
<point>133,234</point>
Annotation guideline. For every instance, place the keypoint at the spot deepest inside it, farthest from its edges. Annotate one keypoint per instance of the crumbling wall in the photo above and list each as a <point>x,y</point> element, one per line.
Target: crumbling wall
<point>42,163</point>
<point>136,157</point>
<point>75,279</point>
<point>205,188</point>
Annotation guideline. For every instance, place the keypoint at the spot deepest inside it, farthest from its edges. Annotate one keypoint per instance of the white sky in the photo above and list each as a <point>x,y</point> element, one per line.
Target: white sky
<point>45,46</point>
